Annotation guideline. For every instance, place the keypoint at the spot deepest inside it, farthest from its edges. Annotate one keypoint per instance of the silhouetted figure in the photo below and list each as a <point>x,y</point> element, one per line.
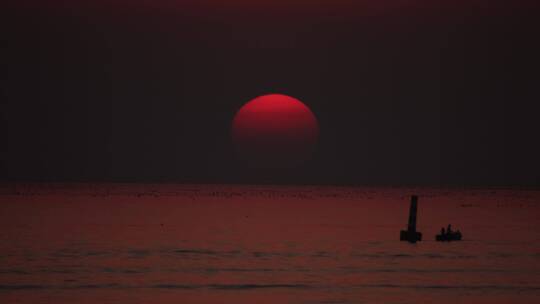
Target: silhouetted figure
<point>448,235</point>
<point>411,235</point>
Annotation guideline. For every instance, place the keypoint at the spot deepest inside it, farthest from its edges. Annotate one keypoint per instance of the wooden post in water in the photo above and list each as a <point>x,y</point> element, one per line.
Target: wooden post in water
<point>411,235</point>
<point>412,214</point>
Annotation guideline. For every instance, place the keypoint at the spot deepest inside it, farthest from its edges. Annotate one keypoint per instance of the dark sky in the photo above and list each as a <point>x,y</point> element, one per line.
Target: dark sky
<point>406,92</point>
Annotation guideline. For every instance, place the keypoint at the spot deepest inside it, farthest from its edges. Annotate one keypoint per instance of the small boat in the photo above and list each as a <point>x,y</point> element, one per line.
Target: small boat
<point>447,237</point>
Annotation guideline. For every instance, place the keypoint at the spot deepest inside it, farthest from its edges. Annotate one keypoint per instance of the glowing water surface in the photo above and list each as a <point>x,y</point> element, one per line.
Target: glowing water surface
<point>264,244</point>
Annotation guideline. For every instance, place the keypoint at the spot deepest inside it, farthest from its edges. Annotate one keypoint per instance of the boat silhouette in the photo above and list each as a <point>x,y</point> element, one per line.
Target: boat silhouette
<point>447,237</point>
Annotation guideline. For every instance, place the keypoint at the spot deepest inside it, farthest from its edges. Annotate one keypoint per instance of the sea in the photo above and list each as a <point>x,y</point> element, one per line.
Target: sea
<point>177,243</point>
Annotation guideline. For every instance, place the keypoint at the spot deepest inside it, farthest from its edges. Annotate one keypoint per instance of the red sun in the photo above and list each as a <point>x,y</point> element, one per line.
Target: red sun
<point>275,131</point>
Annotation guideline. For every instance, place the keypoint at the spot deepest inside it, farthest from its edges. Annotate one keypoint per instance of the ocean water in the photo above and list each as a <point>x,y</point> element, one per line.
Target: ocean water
<point>122,243</point>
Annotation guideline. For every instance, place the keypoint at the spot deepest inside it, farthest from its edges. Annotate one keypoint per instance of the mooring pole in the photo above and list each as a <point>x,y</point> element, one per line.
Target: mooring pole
<point>411,235</point>
<point>412,214</point>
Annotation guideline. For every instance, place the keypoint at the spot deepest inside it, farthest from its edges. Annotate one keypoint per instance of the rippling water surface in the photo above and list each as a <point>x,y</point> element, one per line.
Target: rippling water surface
<point>264,244</point>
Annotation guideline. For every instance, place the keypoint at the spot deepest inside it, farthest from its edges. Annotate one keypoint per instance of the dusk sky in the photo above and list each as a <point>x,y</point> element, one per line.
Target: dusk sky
<point>405,92</point>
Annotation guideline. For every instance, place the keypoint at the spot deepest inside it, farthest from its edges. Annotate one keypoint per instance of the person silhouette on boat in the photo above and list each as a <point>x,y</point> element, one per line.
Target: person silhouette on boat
<point>449,235</point>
